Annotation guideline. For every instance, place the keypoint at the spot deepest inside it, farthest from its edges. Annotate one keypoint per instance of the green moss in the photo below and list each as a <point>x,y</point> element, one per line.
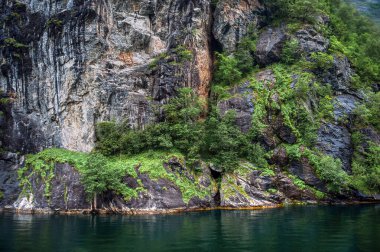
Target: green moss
<point>298,182</point>
<point>151,163</point>
<point>12,42</point>
<point>54,22</point>
<point>272,190</point>
<point>1,195</point>
<point>229,187</point>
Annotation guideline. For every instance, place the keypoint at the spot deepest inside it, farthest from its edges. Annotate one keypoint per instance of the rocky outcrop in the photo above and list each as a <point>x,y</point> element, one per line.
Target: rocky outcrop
<point>64,192</point>
<point>344,107</point>
<point>241,103</point>
<point>311,41</point>
<point>269,45</point>
<point>339,75</point>
<point>234,18</point>
<point>335,141</point>
<point>251,187</point>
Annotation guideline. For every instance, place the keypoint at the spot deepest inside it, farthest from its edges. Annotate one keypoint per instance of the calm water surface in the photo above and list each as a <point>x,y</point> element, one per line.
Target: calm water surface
<point>308,228</point>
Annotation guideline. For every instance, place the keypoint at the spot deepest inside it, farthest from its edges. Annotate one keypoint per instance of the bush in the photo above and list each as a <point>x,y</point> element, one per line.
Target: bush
<point>290,52</point>
<point>97,177</point>
<point>330,170</point>
<point>303,10</point>
<point>322,61</point>
<point>227,70</point>
<point>224,142</point>
<point>366,170</point>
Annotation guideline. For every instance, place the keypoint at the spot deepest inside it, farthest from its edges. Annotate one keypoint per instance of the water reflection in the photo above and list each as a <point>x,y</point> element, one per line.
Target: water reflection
<point>312,228</point>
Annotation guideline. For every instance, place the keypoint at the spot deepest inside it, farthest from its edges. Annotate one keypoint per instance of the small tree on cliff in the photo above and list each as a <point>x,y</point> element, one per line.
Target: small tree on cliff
<point>227,70</point>
<point>96,177</point>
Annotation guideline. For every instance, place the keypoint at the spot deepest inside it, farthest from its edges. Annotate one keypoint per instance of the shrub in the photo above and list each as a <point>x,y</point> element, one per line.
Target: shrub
<point>290,52</point>
<point>330,170</point>
<point>227,71</point>
<point>366,170</point>
<point>322,61</point>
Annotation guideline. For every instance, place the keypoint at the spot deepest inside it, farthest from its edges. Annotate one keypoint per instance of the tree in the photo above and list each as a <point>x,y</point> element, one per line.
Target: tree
<point>227,70</point>
<point>96,177</point>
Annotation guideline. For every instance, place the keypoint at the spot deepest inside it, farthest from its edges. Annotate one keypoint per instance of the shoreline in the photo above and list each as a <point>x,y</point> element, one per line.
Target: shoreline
<point>103,212</point>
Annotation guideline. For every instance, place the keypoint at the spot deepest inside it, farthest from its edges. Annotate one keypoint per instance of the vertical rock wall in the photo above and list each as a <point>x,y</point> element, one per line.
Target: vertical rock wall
<point>68,64</point>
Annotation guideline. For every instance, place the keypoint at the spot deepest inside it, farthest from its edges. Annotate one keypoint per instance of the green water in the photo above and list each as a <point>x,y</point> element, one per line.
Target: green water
<point>308,228</point>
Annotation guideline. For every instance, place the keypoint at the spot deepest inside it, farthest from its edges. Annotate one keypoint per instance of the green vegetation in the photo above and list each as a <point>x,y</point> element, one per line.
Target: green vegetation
<point>12,42</point>
<point>366,167</point>
<point>216,139</point>
<point>100,173</point>
<point>54,23</point>
<point>227,71</point>
<point>176,57</point>
<point>330,171</point>
<point>290,52</point>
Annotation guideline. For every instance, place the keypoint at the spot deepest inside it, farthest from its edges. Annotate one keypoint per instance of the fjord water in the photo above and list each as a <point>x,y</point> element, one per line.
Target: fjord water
<point>303,228</point>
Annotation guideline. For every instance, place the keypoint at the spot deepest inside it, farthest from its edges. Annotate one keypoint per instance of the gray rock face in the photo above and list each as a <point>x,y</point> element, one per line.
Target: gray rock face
<point>306,172</point>
<point>254,188</point>
<point>344,106</point>
<point>233,18</point>
<point>161,194</point>
<point>9,186</point>
<point>241,103</point>
<point>269,45</point>
<point>66,192</point>
<point>311,41</point>
<point>74,63</point>
<point>335,140</point>
<point>339,76</point>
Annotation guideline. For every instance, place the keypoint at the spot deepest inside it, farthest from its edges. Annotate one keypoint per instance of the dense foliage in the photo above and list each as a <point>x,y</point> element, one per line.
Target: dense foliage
<point>216,138</point>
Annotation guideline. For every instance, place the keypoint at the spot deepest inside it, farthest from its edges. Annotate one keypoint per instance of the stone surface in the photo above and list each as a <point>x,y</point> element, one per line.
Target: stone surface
<point>269,45</point>
<point>254,188</point>
<point>66,192</point>
<point>344,106</point>
<point>241,103</point>
<point>234,18</point>
<point>82,62</point>
<point>335,140</point>
<point>339,75</point>
<point>311,41</point>
<point>303,170</point>
<point>9,186</point>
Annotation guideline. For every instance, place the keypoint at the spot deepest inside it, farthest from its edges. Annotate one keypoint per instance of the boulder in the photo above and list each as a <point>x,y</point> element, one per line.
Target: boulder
<point>233,19</point>
<point>241,103</point>
<point>269,45</point>
<point>311,41</point>
<point>339,75</point>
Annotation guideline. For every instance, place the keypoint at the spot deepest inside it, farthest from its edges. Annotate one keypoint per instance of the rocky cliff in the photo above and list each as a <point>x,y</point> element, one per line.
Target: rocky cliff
<point>68,64</point>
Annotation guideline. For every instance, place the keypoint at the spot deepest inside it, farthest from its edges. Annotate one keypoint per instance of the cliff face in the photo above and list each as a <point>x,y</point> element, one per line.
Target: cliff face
<point>74,63</point>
